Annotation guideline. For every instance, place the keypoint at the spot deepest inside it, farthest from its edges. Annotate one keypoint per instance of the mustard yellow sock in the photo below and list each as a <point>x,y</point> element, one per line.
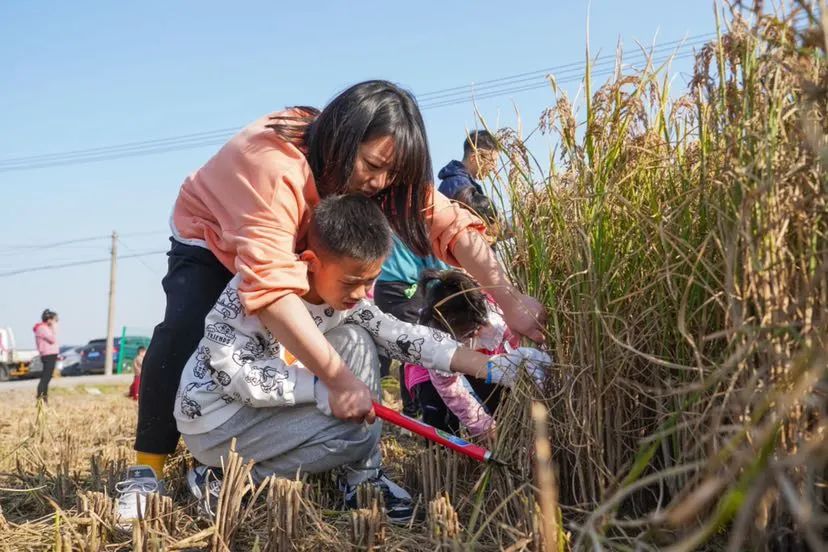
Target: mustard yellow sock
<point>155,461</point>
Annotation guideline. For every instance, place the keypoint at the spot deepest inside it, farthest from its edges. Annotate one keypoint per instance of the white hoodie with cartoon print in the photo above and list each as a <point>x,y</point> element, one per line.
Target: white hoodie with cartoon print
<point>239,363</point>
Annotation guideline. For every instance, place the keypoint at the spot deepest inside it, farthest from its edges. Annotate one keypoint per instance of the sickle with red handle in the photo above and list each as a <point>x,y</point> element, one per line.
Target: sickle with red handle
<point>433,434</point>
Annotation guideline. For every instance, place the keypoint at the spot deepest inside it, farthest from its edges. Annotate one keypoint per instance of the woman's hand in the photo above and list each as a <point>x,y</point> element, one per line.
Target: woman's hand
<point>525,316</point>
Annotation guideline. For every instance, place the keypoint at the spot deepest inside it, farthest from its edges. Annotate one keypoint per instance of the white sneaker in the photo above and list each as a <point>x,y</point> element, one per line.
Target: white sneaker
<point>133,491</point>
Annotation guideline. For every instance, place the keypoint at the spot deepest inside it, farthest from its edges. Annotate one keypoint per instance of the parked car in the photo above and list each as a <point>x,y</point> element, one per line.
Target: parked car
<point>69,358</point>
<point>124,349</point>
<point>92,356</point>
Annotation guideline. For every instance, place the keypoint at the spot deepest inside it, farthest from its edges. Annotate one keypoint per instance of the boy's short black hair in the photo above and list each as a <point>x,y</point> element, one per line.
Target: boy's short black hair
<point>454,302</point>
<point>47,315</point>
<point>478,203</point>
<point>479,140</point>
<point>350,226</point>
<point>140,348</point>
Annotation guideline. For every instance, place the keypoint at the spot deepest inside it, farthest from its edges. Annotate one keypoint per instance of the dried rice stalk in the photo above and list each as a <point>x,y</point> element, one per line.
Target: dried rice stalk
<point>236,483</point>
<point>368,528</point>
<point>286,519</point>
<point>99,510</point>
<point>443,523</point>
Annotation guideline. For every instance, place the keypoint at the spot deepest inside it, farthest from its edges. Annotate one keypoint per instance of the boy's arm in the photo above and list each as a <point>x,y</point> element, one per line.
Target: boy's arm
<point>289,321</point>
<point>406,342</point>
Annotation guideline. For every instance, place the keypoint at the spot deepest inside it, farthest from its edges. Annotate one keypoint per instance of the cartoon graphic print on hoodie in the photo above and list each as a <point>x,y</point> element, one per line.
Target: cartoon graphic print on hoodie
<point>239,363</point>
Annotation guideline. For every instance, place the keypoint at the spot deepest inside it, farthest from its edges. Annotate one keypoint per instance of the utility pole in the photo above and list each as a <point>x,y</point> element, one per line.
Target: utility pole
<point>110,320</point>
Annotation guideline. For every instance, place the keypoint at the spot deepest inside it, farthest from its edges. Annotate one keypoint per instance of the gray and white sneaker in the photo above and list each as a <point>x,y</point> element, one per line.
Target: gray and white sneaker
<point>140,482</point>
<point>399,506</point>
<point>204,483</point>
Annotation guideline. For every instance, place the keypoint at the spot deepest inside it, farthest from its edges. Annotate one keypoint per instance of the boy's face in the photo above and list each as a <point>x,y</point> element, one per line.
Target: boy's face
<point>341,282</point>
<point>484,163</point>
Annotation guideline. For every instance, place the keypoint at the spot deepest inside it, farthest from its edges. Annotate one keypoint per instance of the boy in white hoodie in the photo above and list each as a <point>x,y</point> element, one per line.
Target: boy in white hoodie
<point>241,384</point>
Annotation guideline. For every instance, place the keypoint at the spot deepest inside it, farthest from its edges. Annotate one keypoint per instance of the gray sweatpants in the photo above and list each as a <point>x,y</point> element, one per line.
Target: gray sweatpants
<point>285,440</point>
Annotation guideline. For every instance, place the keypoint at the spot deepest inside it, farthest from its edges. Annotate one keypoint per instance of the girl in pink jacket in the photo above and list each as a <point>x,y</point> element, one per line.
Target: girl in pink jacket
<point>455,304</point>
<point>47,346</point>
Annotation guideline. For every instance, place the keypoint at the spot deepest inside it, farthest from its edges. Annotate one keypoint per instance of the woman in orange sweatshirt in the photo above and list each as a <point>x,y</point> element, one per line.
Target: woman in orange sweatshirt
<point>247,210</point>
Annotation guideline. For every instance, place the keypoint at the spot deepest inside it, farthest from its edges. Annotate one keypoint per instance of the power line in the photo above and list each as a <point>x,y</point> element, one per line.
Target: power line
<point>145,233</point>
<point>603,72</point>
<point>17,248</point>
<point>561,71</point>
<point>140,259</point>
<point>77,263</point>
<point>158,142</point>
<point>430,100</point>
<point>56,244</point>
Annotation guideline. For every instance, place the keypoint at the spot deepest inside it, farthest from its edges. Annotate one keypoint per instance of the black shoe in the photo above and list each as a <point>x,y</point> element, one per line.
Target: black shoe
<point>204,483</point>
<point>399,507</point>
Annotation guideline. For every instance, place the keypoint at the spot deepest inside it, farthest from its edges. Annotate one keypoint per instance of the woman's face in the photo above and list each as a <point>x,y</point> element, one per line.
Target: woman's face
<point>372,167</point>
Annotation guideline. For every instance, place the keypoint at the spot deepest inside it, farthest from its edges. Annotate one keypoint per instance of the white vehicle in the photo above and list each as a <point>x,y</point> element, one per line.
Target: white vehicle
<point>14,362</point>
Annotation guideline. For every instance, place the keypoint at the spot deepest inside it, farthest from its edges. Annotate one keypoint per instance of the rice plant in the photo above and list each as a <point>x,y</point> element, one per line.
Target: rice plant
<point>679,242</point>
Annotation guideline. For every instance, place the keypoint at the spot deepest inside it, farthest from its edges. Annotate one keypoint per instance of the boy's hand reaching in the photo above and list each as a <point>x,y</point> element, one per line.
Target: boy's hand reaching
<point>350,399</point>
<point>503,369</point>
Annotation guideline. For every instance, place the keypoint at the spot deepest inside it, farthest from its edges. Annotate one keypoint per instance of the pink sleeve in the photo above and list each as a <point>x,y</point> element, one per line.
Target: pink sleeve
<point>44,333</point>
<point>462,403</point>
<point>447,221</point>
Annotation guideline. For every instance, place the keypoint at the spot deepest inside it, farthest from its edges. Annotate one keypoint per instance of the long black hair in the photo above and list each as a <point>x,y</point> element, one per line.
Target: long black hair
<point>365,111</point>
<point>454,302</point>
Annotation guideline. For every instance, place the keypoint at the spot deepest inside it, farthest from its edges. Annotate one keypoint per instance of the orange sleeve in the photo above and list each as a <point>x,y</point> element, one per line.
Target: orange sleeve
<point>447,221</point>
<point>268,228</point>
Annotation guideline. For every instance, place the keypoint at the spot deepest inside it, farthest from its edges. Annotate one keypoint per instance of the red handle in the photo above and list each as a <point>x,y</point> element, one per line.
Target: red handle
<point>433,434</point>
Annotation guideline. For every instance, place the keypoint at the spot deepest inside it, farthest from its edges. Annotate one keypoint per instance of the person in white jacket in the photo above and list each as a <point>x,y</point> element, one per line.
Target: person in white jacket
<point>241,384</point>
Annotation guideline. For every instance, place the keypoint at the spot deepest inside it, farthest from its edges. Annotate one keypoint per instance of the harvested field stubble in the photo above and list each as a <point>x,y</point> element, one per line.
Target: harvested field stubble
<point>680,243</point>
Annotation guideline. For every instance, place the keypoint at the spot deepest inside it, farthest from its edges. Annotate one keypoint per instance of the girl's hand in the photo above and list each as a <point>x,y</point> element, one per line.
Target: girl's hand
<point>525,316</point>
<point>503,369</point>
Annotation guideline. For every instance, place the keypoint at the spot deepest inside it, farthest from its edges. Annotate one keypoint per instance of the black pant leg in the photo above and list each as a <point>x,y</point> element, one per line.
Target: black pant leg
<point>489,393</point>
<point>435,411</point>
<point>193,283</point>
<point>48,362</point>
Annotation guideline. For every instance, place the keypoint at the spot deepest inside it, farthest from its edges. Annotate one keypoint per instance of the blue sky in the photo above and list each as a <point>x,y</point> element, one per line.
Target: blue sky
<point>87,74</point>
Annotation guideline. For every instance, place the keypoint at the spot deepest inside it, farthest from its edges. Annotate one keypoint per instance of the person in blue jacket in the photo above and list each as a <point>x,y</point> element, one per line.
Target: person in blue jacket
<point>396,290</point>
<point>479,160</point>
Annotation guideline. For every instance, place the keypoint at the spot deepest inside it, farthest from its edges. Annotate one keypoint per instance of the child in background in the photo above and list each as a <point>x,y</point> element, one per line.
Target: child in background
<point>238,386</point>
<point>136,371</point>
<point>455,304</point>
